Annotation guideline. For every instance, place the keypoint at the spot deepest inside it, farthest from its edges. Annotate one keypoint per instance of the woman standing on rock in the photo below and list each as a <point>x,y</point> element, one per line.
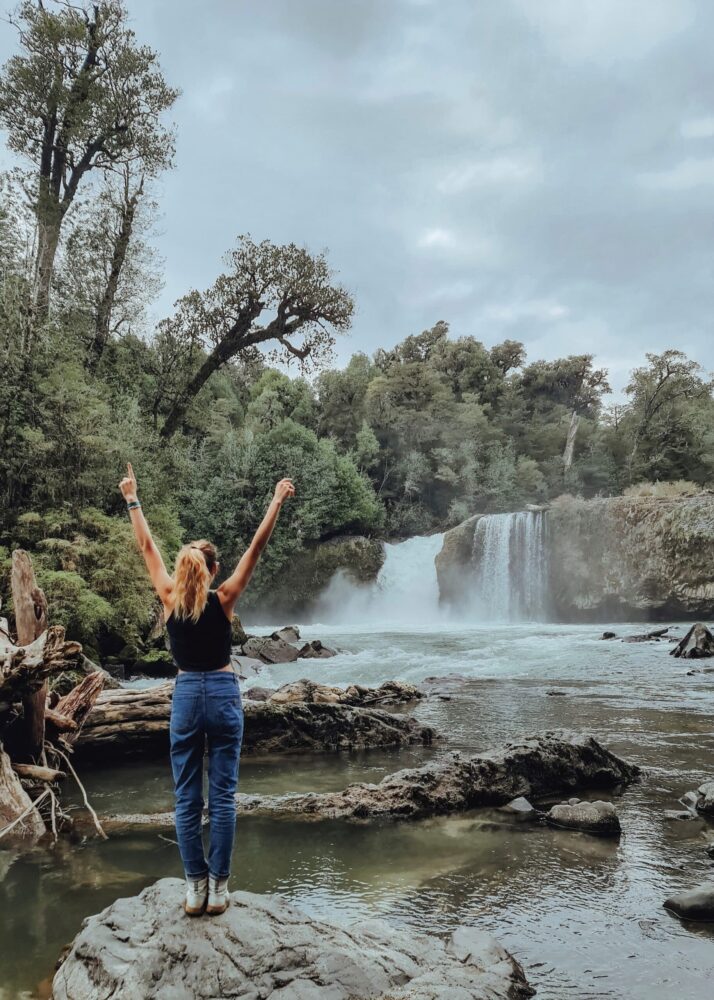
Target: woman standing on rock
<point>206,705</point>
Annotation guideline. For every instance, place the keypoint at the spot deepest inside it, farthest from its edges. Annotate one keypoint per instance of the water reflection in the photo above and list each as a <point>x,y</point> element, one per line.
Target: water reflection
<point>584,915</point>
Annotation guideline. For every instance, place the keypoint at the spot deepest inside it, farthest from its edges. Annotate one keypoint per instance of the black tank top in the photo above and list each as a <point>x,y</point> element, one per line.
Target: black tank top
<point>202,645</point>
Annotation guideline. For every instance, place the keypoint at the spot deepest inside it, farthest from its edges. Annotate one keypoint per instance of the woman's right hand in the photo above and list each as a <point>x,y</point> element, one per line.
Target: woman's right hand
<point>128,484</point>
<point>283,490</point>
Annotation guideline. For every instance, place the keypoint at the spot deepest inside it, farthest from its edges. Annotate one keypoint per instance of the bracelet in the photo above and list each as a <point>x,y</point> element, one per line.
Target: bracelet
<point>132,504</point>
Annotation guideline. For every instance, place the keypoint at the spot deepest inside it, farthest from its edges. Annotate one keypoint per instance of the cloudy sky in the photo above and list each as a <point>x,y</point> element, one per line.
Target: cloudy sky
<point>534,169</point>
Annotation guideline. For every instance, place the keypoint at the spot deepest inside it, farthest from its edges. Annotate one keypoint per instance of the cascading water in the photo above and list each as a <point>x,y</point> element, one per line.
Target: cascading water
<point>405,592</point>
<point>511,567</point>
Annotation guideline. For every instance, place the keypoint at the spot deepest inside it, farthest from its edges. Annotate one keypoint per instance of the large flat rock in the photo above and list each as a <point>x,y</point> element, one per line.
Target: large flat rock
<point>264,948</point>
<point>535,767</point>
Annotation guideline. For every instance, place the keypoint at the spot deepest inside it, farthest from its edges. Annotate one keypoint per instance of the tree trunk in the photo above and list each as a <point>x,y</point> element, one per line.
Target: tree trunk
<point>121,246</point>
<point>570,442</point>
<point>30,622</point>
<point>47,243</point>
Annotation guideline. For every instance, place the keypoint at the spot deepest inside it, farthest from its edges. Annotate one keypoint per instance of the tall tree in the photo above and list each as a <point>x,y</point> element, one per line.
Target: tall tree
<point>83,96</point>
<point>294,287</point>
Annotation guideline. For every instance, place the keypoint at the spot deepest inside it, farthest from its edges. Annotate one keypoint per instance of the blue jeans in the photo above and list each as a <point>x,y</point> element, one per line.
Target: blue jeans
<point>206,709</point>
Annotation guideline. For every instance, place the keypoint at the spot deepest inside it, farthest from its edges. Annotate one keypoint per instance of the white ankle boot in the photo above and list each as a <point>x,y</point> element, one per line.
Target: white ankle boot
<point>218,898</point>
<point>196,896</point>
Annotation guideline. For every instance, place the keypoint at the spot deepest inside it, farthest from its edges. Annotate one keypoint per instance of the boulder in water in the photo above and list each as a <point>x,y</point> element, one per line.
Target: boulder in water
<point>315,650</point>
<point>520,808</point>
<point>290,633</point>
<point>598,817</point>
<point>703,799</point>
<point>694,904</point>
<point>536,767</point>
<point>697,643</point>
<point>264,947</point>
<point>270,650</point>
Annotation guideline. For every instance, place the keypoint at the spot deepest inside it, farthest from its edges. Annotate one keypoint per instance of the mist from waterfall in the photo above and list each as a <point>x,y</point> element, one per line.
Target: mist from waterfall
<point>510,567</point>
<point>406,591</point>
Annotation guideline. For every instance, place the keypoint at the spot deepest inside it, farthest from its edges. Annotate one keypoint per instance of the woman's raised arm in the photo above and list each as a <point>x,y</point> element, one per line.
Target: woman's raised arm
<point>149,549</point>
<point>231,589</point>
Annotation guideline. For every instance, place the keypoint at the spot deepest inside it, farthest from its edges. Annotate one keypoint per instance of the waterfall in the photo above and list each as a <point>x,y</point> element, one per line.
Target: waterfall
<point>510,567</point>
<point>407,588</point>
<point>406,591</point>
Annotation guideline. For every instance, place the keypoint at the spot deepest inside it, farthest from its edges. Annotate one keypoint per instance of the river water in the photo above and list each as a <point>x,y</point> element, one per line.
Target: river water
<point>584,916</point>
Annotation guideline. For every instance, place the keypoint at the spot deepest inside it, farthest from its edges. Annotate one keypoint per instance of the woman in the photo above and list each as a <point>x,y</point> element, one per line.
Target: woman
<point>206,707</point>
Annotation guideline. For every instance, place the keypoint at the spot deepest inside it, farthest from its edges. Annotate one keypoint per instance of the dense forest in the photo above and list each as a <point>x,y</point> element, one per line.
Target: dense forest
<point>234,389</point>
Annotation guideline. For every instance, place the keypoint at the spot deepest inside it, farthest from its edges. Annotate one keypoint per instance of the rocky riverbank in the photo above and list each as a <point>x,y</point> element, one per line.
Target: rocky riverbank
<point>264,947</point>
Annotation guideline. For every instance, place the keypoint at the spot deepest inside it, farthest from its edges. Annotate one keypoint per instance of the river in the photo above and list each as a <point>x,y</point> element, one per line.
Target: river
<point>583,915</point>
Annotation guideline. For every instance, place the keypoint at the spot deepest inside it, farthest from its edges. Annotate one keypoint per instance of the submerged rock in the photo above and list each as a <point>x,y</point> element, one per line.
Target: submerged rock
<point>694,904</point>
<point>520,808</point>
<point>534,768</point>
<point>264,947</point>
<point>598,817</point>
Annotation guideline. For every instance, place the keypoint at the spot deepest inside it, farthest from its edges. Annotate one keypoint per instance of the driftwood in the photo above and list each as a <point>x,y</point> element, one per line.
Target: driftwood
<point>76,706</point>
<point>130,722</point>
<point>16,807</point>
<point>37,772</point>
<point>30,606</point>
<point>654,636</point>
<point>24,668</point>
<point>697,643</point>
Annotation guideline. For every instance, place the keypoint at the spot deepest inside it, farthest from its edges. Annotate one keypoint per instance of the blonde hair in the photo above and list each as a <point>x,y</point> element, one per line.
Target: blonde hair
<point>195,566</point>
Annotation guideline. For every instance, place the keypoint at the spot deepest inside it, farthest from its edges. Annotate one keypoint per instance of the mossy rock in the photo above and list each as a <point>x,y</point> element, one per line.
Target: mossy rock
<point>155,663</point>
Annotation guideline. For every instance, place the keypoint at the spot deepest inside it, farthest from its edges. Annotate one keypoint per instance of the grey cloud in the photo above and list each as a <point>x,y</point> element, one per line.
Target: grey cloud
<point>539,170</point>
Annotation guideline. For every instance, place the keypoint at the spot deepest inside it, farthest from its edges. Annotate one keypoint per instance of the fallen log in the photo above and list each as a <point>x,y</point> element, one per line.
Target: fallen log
<point>36,772</point>
<point>18,816</point>
<point>654,636</point>
<point>77,705</point>
<point>538,767</point>
<point>130,722</point>
<point>696,644</point>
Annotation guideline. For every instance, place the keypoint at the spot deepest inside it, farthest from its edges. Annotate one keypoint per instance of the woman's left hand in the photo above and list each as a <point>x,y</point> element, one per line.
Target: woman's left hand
<point>128,484</point>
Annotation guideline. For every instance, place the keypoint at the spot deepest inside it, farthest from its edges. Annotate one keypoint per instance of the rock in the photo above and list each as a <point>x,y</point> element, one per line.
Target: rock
<point>534,768</point>
<point>315,650</point>
<point>453,563</point>
<point>553,693</point>
<point>238,633</point>
<point>520,808</point>
<point>388,693</point>
<point>609,635</point>
<point>690,800</point>
<point>710,850</point>
<point>270,650</point>
<point>704,798</point>
<point>135,723</point>
<point>264,947</point>
<point>155,663</point>
<point>599,818</point>
<point>695,904</point>
<point>290,633</point>
<point>257,693</point>
<point>697,643</point>
<point>679,815</point>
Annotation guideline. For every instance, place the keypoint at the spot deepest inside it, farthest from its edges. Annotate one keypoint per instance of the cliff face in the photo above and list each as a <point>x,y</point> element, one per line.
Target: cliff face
<point>630,557</point>
<point>619,558</point>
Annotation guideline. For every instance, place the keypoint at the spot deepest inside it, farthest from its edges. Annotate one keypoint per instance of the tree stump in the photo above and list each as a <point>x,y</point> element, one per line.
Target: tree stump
<point>30,622</point>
